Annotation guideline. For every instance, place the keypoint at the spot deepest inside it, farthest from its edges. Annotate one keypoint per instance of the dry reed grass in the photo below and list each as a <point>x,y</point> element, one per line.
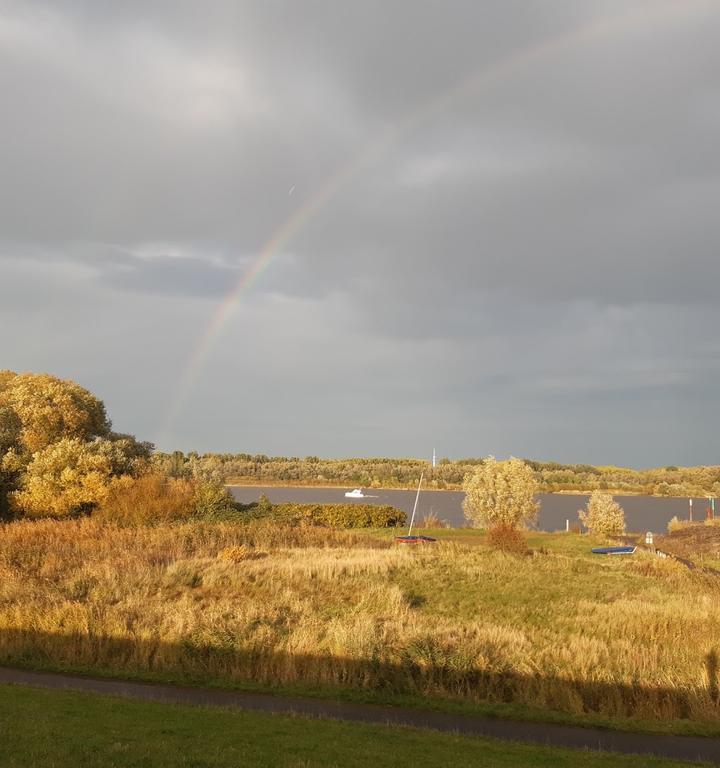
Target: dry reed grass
<point>150,498</point>
<point>319,607</point>
<point>431,520</point>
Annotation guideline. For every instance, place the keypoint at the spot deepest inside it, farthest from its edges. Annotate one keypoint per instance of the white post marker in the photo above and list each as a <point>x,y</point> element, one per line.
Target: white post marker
<point>567,526</point>
<point>690,500</point>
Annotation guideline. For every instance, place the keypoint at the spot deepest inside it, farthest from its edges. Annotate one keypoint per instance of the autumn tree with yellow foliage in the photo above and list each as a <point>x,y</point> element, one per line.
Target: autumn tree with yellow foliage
<point>50,409</point>
<point>501,493</point>
<point>58,453</point>
<point>603,515</point>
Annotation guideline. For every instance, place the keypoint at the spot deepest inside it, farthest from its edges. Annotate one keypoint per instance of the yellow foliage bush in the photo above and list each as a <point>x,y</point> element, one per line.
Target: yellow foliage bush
<point>233,554</point>
<point>603,515</point>
<point>148,499</point>
<point>63,479</point>
<point>239,553</point>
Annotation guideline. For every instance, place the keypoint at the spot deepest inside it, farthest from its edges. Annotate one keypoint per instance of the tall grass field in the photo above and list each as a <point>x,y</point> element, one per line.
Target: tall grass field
<point>316,610</point>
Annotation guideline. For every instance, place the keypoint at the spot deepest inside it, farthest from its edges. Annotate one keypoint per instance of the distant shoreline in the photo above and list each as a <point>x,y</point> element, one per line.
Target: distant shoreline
<point>458,489</point>
<point>296,484</point>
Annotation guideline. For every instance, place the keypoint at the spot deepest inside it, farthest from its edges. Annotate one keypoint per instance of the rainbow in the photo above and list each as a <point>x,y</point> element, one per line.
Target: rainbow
<point>494,73</point>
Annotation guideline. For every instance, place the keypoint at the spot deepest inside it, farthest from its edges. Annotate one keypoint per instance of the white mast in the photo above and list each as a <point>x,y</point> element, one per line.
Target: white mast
<point>417,496</point>
<point>433,457</point>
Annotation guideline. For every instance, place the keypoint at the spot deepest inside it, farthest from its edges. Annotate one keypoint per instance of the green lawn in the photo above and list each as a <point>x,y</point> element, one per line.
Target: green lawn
<point>71,730</point>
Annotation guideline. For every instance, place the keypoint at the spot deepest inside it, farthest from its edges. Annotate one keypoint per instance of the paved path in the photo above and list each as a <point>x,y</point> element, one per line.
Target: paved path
<point>677,747</point>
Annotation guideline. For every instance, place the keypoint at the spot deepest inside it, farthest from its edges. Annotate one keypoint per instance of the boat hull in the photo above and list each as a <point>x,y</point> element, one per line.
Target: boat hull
<point>414,540</point>
<point>614,550</point>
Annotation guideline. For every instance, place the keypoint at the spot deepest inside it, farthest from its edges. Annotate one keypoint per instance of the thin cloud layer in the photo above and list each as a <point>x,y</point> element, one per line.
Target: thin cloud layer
<point>492,228</point>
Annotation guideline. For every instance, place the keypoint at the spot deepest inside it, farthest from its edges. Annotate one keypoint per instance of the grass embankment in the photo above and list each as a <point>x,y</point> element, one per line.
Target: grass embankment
<point>71,730</point>
<point>558,634</point>
<point>698,542</point>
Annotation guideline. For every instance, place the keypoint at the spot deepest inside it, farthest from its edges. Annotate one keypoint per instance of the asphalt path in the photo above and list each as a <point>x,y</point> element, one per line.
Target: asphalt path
<point>687,748</point>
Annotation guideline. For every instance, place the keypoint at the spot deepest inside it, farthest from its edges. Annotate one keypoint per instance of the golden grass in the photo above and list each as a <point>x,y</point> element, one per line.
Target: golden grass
<point>316,607</point>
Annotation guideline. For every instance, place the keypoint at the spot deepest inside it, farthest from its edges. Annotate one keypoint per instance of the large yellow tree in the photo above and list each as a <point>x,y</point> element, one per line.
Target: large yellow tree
<point>57,451</point>
<point>501,493</point>
<point>50,409</point>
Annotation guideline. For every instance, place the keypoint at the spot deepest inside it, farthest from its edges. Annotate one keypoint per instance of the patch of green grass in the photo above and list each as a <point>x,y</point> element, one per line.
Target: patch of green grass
<point>454,590</point>
<point>571,544</point>
<point>59,729</point>
<point>500,710</point>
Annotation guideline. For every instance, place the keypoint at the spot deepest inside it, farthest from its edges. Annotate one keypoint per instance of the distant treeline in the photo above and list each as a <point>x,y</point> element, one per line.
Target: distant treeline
<point>244,468</point>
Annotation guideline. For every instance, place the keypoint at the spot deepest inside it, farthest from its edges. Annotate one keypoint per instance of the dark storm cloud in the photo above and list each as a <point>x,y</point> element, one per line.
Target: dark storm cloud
<point>512,251</point>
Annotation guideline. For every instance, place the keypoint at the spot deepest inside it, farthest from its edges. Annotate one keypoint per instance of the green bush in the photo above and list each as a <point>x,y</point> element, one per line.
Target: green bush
<point>339,515</point>
<point>213,501</point>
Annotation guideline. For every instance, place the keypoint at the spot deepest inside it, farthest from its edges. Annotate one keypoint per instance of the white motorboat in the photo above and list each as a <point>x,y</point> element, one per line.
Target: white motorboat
<point>355,494</point>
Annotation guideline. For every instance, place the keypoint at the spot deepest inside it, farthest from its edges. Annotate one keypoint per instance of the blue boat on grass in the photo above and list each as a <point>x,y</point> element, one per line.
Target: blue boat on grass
<point>614,550</point>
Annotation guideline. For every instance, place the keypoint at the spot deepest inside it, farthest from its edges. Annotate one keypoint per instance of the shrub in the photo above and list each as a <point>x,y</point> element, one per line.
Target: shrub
<point>65,478</point>
<point>507,538</point>
<point>148,499</point>
<point>603,515</point>
<point>340,515</point>
<point>238,554</point>
<point>213,501</point>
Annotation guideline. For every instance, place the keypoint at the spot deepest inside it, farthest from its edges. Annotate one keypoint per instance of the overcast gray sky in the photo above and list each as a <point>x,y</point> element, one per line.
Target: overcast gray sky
<point>509,243</point>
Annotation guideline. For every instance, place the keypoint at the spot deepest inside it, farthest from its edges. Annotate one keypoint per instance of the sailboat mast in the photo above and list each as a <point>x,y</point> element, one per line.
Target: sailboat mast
<point>417,496</point>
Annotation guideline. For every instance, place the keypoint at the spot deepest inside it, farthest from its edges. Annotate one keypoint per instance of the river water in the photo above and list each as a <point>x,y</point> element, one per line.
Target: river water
<point>642,513</point>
